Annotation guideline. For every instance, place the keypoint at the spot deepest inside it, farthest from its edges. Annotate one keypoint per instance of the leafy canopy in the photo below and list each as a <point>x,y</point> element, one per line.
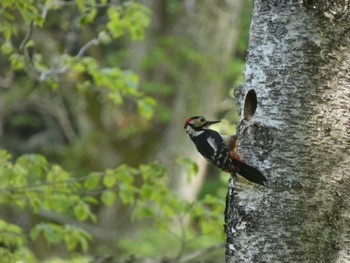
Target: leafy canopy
<point>126,20</point>
<point>33,185</point>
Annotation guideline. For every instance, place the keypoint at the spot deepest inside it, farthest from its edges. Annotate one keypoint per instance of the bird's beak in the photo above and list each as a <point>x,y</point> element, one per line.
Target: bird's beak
<point>211,122</point>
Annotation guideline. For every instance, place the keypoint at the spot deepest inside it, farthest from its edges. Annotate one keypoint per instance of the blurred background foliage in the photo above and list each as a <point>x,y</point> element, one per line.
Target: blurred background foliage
<point>94,162</point>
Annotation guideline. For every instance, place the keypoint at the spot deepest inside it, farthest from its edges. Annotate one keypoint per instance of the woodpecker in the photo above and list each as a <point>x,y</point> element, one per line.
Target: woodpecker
<point>211,145</point>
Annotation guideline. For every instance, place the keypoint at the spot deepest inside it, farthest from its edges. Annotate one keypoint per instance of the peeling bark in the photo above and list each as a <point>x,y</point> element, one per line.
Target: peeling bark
<point>299,136</point>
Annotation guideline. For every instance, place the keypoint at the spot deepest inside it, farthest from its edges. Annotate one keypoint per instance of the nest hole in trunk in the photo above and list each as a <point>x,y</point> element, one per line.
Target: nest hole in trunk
<point>250,104</point>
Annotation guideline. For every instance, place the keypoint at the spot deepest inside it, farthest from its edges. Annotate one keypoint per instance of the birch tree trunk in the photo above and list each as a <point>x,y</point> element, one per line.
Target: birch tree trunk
<point>296,130</point>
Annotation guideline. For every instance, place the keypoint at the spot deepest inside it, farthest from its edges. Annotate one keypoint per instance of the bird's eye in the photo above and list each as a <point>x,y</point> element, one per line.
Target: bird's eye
<point>202,119</point>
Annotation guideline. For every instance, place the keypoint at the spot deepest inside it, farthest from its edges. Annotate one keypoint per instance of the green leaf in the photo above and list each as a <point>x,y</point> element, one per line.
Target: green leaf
<point>146,191</point>
<point>57,174</point>
<point>136,19</point>
<point>131,81</point>
<point>81,211</point>
<point>143,211</point>
<point>80,4</point>
<point>152,171</point>
<point>131,17</point>
<point>11,234</point>
<point>71,242</point>
<point>115,25</point>
<point>146,106</point>
<point>104,37</point>
<point>35,164</point>
<point>4,157</point>
<point>109,179</point>
<point>78,67</point>
<point>6,48</point>
<point>51,232</point>
<point>55,234</point>
<point>87,16</point>
<point>108,197</point>
<point>17,61</point>
<point>125,174</point>
<point>116,97</point>
<point>90,199</point>
<point>74,236</point>
<point>92,181</point>
<point>34,233</point>
<point>126,193</point>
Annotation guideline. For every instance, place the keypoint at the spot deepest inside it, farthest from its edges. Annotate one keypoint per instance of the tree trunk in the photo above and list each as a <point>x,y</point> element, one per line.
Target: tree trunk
<point>296,130</point>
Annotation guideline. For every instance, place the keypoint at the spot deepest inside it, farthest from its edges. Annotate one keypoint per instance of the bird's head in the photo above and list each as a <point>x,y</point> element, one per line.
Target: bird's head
<point>196,124</point>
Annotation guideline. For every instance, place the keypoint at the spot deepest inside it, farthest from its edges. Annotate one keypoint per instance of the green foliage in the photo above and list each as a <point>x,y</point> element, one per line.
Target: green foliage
<point>11,235</point>
<point>128,19</point>
<point>75,259</point>
<point>170,233</point>
<point>55,234</point>
<point>28,10</point>
<point>33,184</point>
<point>108,197</point>
<point>146,107</point>
<point>132,18</point>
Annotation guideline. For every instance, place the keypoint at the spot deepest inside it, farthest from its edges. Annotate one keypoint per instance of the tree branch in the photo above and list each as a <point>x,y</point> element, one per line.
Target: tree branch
<point>27,37</point>
<point>92,42</point>
<point>100,233</point>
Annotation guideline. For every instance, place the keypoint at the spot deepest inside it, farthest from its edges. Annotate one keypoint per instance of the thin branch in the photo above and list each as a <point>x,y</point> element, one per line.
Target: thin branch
<point>47,6</point>
<point>98,232</point>
<point>19,188</point>
<point>31,70</point>
<point>53,71</point>
<point>55,194</point>
<point>64,69</point>
<point>62,116</point>
<point>27,37</point>
<point>92,42</point>
<point>42,75</point>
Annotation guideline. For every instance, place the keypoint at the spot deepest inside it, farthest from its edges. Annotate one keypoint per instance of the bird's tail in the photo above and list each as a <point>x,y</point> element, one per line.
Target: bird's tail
<point>249,172</point>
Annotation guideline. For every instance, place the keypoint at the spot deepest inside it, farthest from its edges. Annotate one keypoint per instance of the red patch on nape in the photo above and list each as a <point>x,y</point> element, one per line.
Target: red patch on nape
<point>187,121</point>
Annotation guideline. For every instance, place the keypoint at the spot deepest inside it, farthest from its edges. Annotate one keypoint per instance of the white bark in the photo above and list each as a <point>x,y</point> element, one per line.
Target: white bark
<point>299,66</point>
